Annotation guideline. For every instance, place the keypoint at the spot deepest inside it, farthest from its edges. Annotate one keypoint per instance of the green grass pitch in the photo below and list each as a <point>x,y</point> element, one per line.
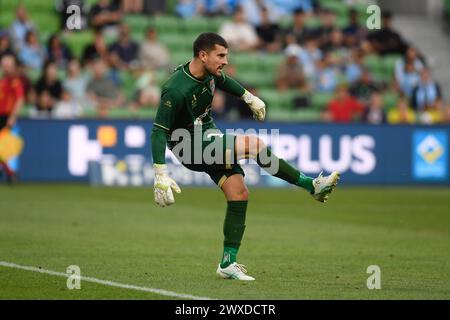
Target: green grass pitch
<point>295,247</point>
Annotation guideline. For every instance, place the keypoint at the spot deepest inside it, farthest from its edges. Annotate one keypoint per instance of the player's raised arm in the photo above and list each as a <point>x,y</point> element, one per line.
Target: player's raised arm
<point>233,87</point>
<point>171,100</point>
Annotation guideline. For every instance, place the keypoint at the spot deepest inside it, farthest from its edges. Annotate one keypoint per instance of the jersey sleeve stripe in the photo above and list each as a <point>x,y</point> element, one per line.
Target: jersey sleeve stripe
<point>162,127</point>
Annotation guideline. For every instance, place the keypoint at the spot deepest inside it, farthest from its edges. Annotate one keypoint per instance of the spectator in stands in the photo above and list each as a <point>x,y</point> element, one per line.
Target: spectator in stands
<point>132,6</point>
<point>102,91</point>
<point>218,105</point>
<point>62,7</point>
<point>153,55</point>
<point>269,33</point>
<point>75,83</point>
<point>239,34</point>
<point>58,51</point>
<point>188,9</point>
<point>374,112</point>
<point>326,75</point>
<point>353,68</point>
<point>336,47</point>
<point>32,54</point>
<point>105,16</point>
<point>67,108</point>
<point>427,94</point>
<point>20,28</point>
<point>234,104</point>
<point>148,93</point>
<point>26,83</point>
<point>309,55</point>
<point>5,45</point>
<point>217,7</point>
<point>402,113</point>
<point>306,5</point>
<point>343,107</point>
<point>95,50</point>
<point>48,89</point>
<point>386,40</point>
<point>285,8</point>
<point>124,52</point>
<point>432,115</point>
<point>364,87</point>
<point>152,7</point>
<point>411,56</point>
<point>354,32</point>
<point>334,42</point>
<point>298,32</point>
<point>408,79</point>
<point>290,73</point>
<point>327,25</point>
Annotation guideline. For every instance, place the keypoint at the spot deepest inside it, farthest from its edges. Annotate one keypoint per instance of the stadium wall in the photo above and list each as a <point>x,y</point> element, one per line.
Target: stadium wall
<point>117,152</point>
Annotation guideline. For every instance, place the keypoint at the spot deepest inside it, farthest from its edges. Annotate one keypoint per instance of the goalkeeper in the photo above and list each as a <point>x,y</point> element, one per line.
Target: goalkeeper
<point>185,105</point>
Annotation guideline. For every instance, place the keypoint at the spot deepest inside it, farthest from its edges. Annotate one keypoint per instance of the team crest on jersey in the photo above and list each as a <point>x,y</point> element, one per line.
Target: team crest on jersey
<point>168,103</point>
<point>194,101</point>
<point>212,86</point>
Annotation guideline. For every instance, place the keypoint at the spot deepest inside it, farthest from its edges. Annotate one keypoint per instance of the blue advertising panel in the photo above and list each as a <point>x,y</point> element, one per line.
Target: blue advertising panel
<point>118,152</point>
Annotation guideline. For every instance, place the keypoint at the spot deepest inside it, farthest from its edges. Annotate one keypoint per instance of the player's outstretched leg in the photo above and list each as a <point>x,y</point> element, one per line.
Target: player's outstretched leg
<point>233,228</point>
<point>253,147</point>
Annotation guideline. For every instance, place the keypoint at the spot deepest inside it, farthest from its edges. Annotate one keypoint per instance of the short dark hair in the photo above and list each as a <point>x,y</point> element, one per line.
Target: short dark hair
<point>206,41</point>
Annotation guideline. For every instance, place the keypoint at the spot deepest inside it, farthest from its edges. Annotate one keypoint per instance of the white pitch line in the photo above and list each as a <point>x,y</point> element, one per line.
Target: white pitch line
<point>106,282</point>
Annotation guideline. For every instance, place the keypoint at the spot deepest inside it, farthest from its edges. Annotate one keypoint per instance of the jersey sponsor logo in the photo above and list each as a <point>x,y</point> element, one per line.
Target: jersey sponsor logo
<point>168,103</point>
<point>204,90</point>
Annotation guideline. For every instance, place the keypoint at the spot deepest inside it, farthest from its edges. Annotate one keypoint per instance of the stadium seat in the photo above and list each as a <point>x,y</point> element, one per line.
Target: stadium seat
<point>389,62</point>
<point>177,42</point>
<point>306,115</point>
<point>194,26</point>
<point>270,62</point>
<point>146,113</point>
<point>128,84</point>
<point>120,113</point>
<point>161,76</point>
<point>313,22</point>
<point>319,100</point>
<point>390,99</point>
<point>243,61</point>
<point>167,23</point>
<point>275,99</point>
<point>374,63</point>
<point>77,41</point>
<point>337,7</point>
<point>257,78</point>
<point>216,22</point>
<point>137,22</point>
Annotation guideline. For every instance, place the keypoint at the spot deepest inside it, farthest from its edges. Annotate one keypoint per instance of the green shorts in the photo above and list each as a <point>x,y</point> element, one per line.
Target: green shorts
<point>221,165</point>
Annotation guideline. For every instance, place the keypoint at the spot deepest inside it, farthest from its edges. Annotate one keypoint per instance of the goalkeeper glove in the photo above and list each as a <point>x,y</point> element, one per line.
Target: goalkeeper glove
<point>163,186</point>
<point>255,104</point>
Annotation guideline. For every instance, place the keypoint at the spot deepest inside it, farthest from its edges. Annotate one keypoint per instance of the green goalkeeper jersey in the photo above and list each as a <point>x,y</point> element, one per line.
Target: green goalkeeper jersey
<point>185,102</point>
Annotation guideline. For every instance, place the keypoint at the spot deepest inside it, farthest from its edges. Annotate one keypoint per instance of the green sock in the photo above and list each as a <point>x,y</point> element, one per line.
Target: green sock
<point>305,182</point>
<point>233,231</point>
<point>229,256</point>
<point>285,171</point>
